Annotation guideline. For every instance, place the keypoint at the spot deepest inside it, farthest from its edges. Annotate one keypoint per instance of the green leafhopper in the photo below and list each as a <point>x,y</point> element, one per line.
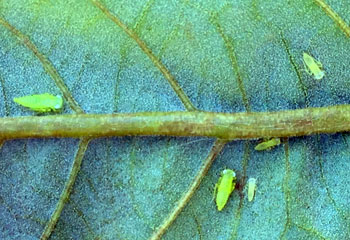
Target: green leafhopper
<point>226,184</point>
<point>313,67</point>
<point>45,102</point>
<point>268,144</point>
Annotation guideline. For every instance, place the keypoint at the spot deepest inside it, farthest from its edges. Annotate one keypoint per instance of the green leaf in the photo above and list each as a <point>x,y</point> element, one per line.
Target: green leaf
<point>227,56</point>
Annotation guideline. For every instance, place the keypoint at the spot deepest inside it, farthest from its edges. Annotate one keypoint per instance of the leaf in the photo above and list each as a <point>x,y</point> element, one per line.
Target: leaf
<point>227,57</point>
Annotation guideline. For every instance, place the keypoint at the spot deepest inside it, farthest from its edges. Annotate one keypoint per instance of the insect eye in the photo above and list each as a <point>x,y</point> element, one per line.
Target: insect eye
<point>319,75</point>
<point>59,103</point>
<point>229,172</point>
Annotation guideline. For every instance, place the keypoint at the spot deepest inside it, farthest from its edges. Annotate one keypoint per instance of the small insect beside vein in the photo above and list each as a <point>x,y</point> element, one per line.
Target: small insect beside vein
<point>226,184</point>
<point>268,144</point>
<point>251,188</point>
<point>313,67</point>
<point>41,102</point>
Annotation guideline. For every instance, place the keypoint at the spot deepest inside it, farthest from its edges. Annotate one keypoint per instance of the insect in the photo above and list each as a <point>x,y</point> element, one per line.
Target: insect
<point>45,102</point>
<point>251,188</point>
<point>223,189</point>
<point>268,144</point>
<point>313,67</point>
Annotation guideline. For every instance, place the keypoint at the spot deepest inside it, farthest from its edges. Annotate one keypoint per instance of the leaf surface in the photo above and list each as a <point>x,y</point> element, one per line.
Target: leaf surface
<point>227,57</point>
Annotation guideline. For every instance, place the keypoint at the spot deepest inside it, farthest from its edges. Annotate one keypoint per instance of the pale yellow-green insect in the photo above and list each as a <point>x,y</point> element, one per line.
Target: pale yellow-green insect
<point>268,144</point>
<point>45,102</point>
<point>313,67</point>
<point>251,188</point>
<point>226,184</point>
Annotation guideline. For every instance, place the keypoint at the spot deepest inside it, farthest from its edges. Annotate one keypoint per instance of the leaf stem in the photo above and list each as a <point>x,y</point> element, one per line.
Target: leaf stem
<point>220,125</point>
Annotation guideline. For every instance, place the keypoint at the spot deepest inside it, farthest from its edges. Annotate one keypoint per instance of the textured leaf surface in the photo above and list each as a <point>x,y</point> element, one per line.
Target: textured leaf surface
<point>228,57</point>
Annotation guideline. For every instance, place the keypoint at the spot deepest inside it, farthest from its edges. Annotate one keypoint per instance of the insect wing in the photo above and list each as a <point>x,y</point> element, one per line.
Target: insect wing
<point>223,193</point>
<point>262,146</point>
<point>309,61</point>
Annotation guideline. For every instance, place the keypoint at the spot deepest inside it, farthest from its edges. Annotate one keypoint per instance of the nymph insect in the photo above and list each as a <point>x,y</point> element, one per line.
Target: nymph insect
<point>251,188</point>
<point>268,144</point>
<point>313,67</point>
<point>226,184</point>
<point>41,102</point>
